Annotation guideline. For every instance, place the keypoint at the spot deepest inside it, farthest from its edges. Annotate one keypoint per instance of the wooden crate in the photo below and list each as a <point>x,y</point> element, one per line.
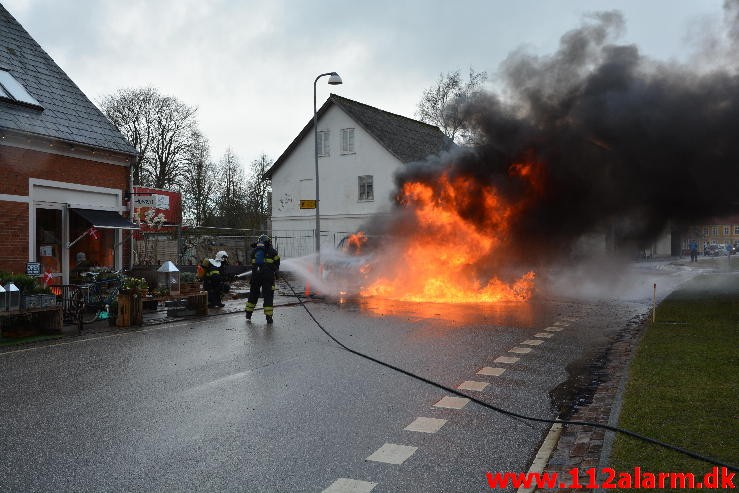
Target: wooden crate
<point>130,310</point>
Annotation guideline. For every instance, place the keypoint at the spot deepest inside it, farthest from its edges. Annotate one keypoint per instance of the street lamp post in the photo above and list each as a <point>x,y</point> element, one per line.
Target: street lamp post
<point>334,80</point>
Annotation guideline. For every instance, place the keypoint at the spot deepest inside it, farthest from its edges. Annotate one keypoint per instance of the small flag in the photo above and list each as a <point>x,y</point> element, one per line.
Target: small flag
<point>47,277</point>
<point>93,233</point>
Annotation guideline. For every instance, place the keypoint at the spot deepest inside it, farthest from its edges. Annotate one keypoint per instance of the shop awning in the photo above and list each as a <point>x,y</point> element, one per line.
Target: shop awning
<point>105,219</point>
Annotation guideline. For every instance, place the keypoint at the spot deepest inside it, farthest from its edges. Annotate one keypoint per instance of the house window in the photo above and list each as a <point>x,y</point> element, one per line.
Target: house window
<point>12,90</point>
<point>705,230</point>
<point>726,230</point>
<point>714,230</point>
<point>347,141</point>
<point>736,230</point>
<point>366,188</point>
<point>322,143</point>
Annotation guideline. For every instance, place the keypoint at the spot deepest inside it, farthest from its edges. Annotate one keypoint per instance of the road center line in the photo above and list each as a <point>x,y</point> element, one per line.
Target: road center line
<point>426,425</point>
<point>392,453</point>
<point>473,385</point>
<point>520,350</point>
<point>533,342</point>
<point>490,371</point>
<point>346,485</point>
<point>450,402</point>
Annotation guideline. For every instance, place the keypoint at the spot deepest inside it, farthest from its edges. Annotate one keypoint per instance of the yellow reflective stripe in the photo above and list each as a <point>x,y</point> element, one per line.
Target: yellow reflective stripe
<point>268,310</point>
<point>269,260</point>
<point>250,306</point>
<point>276,257</point>
<point>212,272</point>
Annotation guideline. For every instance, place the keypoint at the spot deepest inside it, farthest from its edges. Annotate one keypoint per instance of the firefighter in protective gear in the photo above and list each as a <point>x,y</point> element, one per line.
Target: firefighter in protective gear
<point>213,278</point>
<point>265,262</point>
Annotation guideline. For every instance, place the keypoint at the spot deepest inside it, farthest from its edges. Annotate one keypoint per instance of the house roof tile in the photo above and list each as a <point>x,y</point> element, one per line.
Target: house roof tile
<point>67,113</point>
<point>407,139</point>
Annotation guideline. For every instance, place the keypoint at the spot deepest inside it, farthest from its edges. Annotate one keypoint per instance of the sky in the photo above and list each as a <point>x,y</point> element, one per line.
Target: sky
<point>249,66</point>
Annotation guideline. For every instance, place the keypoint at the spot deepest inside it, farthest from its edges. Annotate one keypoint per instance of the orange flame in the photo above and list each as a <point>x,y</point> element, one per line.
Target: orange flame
<point>355,242</point>
<point>438,262</point>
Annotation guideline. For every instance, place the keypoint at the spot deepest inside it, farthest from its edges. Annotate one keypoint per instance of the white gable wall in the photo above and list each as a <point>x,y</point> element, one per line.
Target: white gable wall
<point>341,210</point>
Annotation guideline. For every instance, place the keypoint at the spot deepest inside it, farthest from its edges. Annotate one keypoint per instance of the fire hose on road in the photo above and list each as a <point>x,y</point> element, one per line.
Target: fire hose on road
<point>506,412</point>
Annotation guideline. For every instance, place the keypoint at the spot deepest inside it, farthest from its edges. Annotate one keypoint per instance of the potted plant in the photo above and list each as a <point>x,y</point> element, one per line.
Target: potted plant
<point>135,285</point>
<point>189,283</point>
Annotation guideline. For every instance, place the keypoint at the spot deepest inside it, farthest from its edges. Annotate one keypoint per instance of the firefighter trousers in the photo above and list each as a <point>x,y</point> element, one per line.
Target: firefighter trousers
<point>263,282</point>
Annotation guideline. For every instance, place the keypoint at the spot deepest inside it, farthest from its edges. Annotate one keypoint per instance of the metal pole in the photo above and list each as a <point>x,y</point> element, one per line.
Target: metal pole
<point>335,79</point>
<point>315,155</point>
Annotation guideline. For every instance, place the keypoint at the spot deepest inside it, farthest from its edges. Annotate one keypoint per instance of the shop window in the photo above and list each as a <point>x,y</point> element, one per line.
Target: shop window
<point>93,250</point>
<point>49,240</point>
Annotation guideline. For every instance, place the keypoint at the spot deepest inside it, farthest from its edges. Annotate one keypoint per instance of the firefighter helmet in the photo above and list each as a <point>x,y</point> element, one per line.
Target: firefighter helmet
<point>264,239</point>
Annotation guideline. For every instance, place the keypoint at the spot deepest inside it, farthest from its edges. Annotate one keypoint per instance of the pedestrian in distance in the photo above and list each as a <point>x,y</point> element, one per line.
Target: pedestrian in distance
<point>265,263</point>
<point>693,251</point>
<point>213,278</point>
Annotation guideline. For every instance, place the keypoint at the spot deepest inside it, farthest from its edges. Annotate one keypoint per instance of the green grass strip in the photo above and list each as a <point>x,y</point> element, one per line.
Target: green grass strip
<point>683,384</point>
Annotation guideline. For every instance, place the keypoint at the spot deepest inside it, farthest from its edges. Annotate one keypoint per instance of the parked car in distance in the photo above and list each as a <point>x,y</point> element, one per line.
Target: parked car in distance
<point>715,250</point>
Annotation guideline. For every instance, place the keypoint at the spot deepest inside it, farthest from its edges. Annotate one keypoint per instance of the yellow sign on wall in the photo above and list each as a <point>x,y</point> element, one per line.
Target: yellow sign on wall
<point>307,204</point>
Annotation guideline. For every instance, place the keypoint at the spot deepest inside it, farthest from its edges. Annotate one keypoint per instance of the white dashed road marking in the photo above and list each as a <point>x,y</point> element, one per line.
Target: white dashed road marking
<point>344,485</point>
<point>473,385</point>
<point>490,371</point>
<point>554,329</point>
<point>562,324</point>
<point>391,453</point>
<point>452,402</point>
<point>520,350</point>
<point>543,334</point>
<point>506,359</point>
<point>426,425</point>
<point>532,342</point>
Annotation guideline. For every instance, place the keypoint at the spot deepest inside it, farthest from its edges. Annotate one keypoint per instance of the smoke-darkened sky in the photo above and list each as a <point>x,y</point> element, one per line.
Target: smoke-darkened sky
<point>249,65</point>
<point>619,142</point>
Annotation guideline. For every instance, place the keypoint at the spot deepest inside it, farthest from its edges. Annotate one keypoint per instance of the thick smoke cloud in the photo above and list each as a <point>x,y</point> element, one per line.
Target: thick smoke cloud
<point>624,145</point>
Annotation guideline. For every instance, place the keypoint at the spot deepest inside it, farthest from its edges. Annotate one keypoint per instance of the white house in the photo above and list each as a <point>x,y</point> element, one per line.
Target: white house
<point>360,148</point>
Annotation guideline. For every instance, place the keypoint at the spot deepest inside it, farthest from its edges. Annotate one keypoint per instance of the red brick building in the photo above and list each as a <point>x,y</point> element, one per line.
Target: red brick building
<point>64,168</point>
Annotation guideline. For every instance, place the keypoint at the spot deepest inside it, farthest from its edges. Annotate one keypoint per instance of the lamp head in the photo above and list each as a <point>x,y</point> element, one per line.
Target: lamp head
<point>334,80</point>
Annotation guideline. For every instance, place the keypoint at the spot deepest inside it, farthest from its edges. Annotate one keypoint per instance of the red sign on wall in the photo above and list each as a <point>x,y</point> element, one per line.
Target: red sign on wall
<point>155,208</point>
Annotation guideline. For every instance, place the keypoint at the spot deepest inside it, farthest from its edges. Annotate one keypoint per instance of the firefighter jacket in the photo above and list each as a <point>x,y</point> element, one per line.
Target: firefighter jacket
<point>210,269</point>
<point>267,260</point>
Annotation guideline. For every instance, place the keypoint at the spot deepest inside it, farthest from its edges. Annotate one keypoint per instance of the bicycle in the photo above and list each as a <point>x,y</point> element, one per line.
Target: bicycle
<point>99,295</point>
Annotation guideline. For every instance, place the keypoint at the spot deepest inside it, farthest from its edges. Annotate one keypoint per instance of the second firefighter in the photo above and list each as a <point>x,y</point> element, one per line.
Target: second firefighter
<point>265,262</point>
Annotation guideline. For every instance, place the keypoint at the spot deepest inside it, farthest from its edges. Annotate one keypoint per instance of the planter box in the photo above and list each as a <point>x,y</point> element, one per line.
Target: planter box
<point>30,301</point>
<point>190,288</point>
<point>46,300</point>
<point>130,310</point>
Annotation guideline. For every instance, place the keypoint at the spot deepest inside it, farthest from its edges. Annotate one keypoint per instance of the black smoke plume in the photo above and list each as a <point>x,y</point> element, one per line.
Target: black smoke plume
<point>626,146</point>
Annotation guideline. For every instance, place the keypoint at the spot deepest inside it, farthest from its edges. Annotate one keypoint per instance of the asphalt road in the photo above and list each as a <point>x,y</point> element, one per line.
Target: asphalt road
<point>217,404</point>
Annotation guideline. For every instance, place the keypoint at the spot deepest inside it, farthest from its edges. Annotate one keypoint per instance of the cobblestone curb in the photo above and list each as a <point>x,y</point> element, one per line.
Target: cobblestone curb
<point>583,447</point>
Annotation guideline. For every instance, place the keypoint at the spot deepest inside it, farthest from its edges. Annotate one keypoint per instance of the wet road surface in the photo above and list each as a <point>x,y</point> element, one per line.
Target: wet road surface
<point>217,404</point>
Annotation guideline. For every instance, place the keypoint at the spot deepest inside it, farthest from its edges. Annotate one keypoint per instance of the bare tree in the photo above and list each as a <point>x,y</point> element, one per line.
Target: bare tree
<point>132,111</point>
<point>199,185</point>
<point>259,192</point>
<point>158,126</point>
<point>441,104</point>
<point>230,193</point>
<point>174,124</point>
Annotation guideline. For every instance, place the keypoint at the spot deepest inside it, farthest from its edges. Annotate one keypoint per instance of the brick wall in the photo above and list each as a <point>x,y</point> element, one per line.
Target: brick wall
<point>16,167</point>
<point>13,236</point>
